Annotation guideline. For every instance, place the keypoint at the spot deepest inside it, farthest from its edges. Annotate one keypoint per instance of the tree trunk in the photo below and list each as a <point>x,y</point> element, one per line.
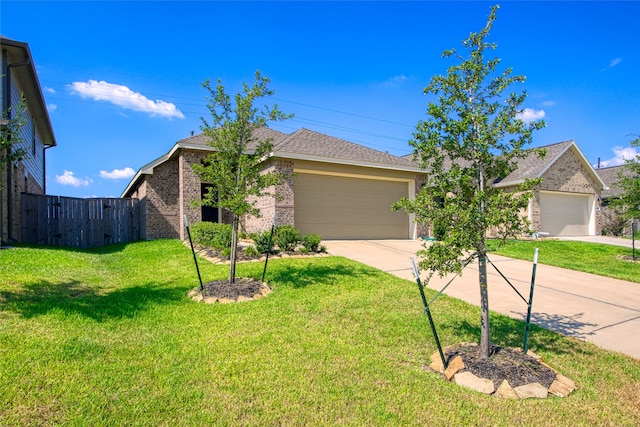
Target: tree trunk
<point>485,336</point>
<point>234,248</point>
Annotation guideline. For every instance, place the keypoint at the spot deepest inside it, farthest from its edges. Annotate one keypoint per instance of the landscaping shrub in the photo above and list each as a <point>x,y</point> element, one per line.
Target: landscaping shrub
<point>211,234</point>
<point>251,251</point>
<point>311,242</point>
<point>286,237</point>
<point>261,241</point>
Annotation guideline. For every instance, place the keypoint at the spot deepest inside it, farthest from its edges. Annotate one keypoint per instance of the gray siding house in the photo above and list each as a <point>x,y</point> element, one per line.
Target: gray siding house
<point>19,79</point>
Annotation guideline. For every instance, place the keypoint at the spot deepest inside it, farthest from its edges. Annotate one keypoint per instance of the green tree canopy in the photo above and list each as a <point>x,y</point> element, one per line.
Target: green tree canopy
<point>628,203</point>
<point>472,135</point>
<point>235,167</point>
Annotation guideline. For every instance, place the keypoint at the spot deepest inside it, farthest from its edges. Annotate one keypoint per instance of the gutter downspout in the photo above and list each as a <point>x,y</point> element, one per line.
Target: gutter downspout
<point>9,180</point>
<point>44,167</point>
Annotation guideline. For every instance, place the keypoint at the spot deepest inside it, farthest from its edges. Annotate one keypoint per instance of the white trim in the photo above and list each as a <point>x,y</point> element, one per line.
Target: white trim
<point>413,226</point>
<point>351,175</point>
<point>350,162</point>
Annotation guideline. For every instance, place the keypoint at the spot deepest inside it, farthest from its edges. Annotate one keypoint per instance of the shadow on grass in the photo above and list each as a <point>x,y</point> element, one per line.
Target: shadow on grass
<point>329,271</point>
<point>107,249</point>
<point>40,298</point>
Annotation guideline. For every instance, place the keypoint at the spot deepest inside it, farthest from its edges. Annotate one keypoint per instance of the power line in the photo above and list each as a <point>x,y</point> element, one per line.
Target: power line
<point>303,120</point>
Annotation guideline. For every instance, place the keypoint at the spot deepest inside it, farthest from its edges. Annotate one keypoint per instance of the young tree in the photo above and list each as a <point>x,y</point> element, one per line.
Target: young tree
<point>234,167</point>
<point>472,135</point>
<point>628,203</point>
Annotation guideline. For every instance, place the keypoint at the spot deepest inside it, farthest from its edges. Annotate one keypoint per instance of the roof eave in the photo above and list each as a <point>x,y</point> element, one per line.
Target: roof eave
<point>508,183</point>
<point>32,88</point>
<point>148,168</point>
<point>323,159</point>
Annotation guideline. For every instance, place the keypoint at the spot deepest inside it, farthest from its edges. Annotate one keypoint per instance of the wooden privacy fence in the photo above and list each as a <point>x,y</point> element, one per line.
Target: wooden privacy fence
<point>79,223</point>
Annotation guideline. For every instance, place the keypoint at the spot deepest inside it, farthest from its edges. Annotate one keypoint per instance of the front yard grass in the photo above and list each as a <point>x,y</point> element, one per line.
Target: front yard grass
<point>603,260</point>
<point>108,337</point>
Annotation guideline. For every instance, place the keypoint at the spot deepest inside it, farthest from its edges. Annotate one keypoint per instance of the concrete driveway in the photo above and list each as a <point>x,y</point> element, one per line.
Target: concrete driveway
<point>589,307</point>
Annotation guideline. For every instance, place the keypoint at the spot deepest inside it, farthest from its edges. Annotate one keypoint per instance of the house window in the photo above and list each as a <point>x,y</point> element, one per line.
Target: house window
<point>209,213</point>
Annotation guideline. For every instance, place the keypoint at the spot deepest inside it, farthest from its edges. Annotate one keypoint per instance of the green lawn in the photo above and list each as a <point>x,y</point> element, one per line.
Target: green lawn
<point>603,260</point>
<point>109,338</point>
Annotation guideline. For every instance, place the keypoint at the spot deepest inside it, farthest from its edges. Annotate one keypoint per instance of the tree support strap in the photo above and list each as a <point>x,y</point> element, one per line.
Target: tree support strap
<point>528,302</point>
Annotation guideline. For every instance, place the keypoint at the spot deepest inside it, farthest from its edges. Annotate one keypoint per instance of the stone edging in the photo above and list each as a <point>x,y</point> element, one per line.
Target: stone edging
<point>561,386</point>
<point>196,296</point>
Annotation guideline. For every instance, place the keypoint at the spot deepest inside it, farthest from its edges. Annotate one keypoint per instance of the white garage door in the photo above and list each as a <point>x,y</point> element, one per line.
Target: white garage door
<point>339,207</point>
<point>564,214</point>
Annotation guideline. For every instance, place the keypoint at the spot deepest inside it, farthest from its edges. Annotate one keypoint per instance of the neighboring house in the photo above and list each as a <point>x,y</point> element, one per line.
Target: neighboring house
<point>567,202</point>
<point>610,222</point>
<point>343,190</point>
<point>19,78</point>
<point>335,188</point>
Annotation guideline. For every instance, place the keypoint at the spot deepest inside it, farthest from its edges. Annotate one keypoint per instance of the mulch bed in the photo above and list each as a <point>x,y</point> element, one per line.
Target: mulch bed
<point>223,289</point>
<point>504,363</point>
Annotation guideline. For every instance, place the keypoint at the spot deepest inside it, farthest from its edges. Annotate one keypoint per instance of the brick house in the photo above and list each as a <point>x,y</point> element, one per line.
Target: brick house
<point>567,202</point>
<point>343,190</point>
<point>19,79</point>
<point>335,188</point>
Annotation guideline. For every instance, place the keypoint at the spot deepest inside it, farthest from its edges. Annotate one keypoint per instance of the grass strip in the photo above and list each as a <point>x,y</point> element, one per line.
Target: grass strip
<point>604,260</point>
<point>109,338</point>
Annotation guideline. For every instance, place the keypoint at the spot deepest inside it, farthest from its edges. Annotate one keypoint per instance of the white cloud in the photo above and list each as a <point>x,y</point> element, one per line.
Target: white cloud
<point>615,62</point>
<point>124,97</point>
<point>52,107</point>
<point>529,115</point>
<point>49,89</point>
<point>621,154</point>
<point>549,103</point>
<point>395,81</point>
<point>118,173</point>
<point>67,178</point>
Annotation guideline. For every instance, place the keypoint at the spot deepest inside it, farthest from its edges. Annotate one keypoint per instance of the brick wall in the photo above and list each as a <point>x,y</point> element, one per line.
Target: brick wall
<point>189,188</point>
<point>162,202</point>
<point>269,205</point>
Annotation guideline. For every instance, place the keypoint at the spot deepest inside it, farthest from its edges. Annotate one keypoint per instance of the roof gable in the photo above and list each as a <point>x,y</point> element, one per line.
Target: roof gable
<point>532,166</point>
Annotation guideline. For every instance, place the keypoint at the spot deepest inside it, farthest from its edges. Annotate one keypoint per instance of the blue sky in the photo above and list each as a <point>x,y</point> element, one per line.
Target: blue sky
<point>123,79</point>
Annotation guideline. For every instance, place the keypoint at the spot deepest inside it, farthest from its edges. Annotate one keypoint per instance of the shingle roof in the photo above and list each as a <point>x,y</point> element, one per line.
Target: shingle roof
<point>308,143</point>
<point>259,134</point>
<point>610,177</point>
<point>302,144</point>
<point>533,166</point>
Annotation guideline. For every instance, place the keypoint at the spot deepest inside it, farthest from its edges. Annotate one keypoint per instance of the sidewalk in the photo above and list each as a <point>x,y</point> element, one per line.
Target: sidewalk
<point>589,307</point>
<point>606,240</point>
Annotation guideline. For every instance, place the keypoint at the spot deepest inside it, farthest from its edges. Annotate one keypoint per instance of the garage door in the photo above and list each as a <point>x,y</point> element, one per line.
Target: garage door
<point>563,214</point>
<point>339,207</point>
